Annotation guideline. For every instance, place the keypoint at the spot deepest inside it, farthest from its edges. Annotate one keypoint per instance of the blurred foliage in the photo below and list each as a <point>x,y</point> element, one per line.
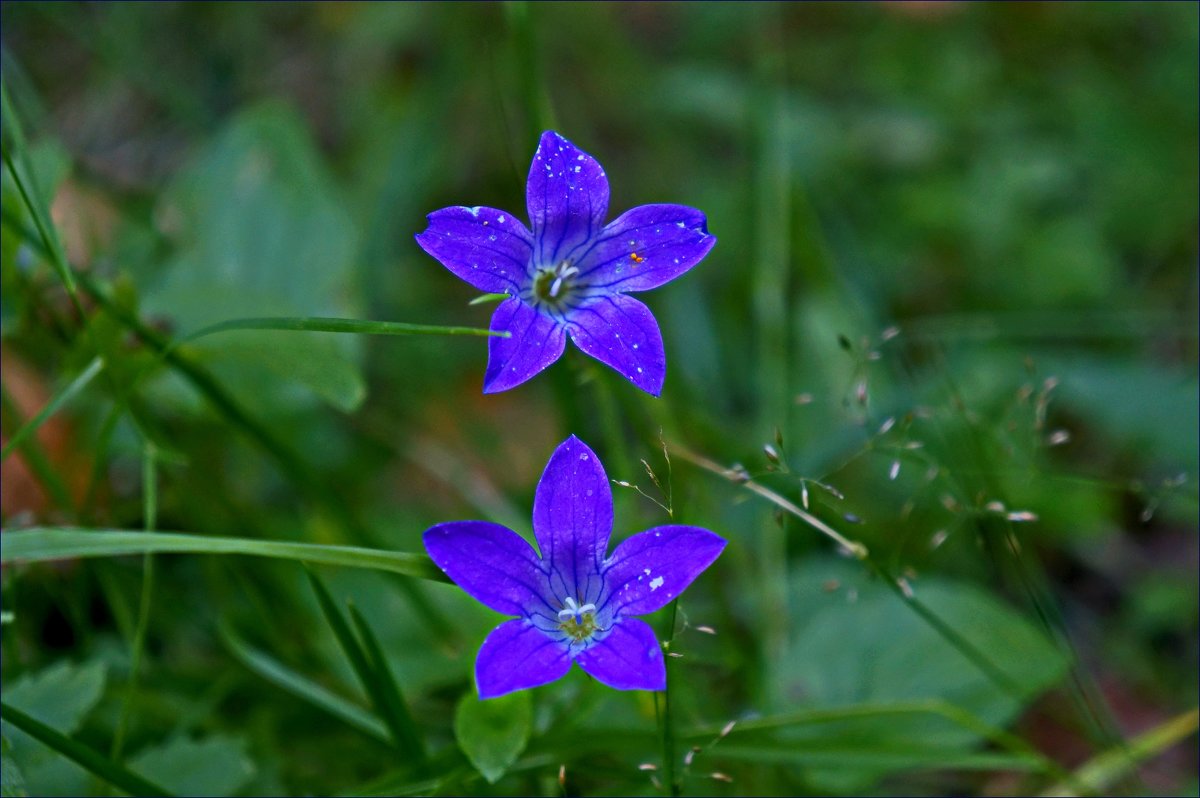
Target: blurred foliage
<point>955,289</point>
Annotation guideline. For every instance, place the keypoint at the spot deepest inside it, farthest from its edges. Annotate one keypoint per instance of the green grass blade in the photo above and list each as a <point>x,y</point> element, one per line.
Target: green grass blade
<point>1099,774</point>
<point>353,326</point>
<point>31,195</point>
<point>302,687</point>
<point>75,386</point>
<point>359,660</point>
<point>35,455</point>
<point>395,708</point>
<point>56,543</point>
<point>80,754</point>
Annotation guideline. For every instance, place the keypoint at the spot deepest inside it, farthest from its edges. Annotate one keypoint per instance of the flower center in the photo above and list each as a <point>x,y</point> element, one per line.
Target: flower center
<point>577,622</point>
<point>553,284</point>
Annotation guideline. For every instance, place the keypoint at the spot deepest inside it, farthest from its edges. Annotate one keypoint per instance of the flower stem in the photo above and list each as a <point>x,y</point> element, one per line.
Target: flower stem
<point>670,783</point>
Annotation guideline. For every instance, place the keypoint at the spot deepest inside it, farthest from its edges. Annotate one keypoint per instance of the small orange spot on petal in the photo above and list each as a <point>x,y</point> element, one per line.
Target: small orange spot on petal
<point>633,256</point>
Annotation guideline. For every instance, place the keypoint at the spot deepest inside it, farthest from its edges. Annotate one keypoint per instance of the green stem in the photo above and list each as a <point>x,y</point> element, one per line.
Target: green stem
<point>150,513</point>
<point>668,736</point>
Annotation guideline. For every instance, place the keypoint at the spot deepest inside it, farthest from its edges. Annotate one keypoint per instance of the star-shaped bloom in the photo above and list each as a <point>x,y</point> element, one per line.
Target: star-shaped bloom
<point>569,276</point>
<point>572,604</point>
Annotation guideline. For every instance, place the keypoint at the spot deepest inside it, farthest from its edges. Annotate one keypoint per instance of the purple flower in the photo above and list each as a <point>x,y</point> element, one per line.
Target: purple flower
<point>572,604</point>
<point>570,276</point>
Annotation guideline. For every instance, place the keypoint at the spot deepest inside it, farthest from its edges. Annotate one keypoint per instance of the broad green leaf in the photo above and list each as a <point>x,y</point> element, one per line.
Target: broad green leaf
<point>41,544</point>
<point>261,231</point>
<point>858,643</point>
<point>216,765</point>
<point>59,696</point>
<point>493,733</point>
<point>12,782</point>
<point>79,755</point>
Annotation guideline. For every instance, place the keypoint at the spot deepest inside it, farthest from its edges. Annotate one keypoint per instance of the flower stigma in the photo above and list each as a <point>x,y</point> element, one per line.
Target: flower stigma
<point>578,622</point>
<point>554,284</point>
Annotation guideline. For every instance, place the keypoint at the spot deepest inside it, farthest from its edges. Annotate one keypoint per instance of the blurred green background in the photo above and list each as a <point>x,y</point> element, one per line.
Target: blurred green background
<point>955,288</point>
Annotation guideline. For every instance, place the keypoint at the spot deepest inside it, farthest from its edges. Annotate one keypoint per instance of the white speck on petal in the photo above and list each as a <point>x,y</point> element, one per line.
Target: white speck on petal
<point>639,369</point>
<point>583,456</point>
<point>681,225</point>
<point>647,571</point>
<point>589,492</point>
<point>656,583</point>
<point>579,158</point>
<point>501,219</point>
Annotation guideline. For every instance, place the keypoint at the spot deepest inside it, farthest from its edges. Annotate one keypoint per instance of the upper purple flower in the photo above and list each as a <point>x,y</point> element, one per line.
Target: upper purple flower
<point>570,275</point>
<point>573,605</point>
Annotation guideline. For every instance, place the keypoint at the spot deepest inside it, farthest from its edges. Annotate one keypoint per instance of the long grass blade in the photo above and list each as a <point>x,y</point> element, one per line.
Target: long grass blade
<point>81,754</point>
<point>31,195</point>
<point>332,325</point>
<point>39,544</point>
<point>302,687</point>
<point>1097,775</point>
<point>395,708</point>
<point>361,662</point>
<point>61,398</point>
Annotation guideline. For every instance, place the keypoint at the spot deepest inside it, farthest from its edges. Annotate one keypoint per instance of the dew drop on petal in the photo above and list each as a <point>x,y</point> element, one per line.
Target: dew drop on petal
<point>656,583</point>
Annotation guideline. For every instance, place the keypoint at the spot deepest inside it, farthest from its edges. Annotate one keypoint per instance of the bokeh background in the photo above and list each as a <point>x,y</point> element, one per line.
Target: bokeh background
<point>955,291</point>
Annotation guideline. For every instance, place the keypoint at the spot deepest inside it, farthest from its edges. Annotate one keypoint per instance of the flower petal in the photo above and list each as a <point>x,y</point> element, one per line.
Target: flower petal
<point>646,247</point>
<point>516,656</point>
<point>490,249</point>
<point>621,332</point>
<point>651,568</point>
<point>572,520</point>
<point>536,341</point>
<point>629,658</point>
<point>493,564</point>
<point>567,196</point>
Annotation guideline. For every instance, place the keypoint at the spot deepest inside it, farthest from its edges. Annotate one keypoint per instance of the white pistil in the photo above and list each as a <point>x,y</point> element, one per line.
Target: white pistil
<point>573,610</point>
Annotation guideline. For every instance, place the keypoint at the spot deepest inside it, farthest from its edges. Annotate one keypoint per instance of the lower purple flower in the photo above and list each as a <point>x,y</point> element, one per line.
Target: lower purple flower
<point>572,604</point>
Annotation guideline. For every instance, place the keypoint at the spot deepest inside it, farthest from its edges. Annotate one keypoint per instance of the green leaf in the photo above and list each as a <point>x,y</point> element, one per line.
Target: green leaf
<point>261,231</point>
<point>493,733</point>
<point>12,783</point>
<point>216,765</point>
<point>59,696</point>
<point>54,543</point>
<point>79,753</point>
<point>894,656</point>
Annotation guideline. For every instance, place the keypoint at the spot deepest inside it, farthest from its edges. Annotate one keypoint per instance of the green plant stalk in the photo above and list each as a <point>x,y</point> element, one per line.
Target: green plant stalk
<point>150,521</point>
<point>670,780</point>
<point>41,544</point>
<point>61,398</point>
<point>82,755</point>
